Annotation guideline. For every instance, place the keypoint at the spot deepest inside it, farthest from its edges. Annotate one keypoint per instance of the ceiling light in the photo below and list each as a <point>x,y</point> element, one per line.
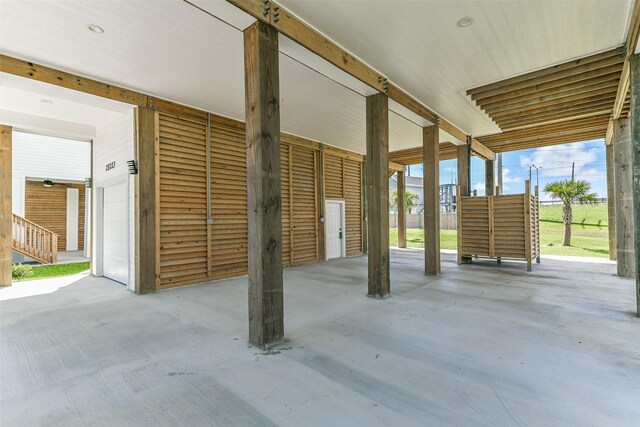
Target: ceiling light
<point>46,101</point>
<point>465,22</point>
<point>48,183</point>
<point>95,28</point>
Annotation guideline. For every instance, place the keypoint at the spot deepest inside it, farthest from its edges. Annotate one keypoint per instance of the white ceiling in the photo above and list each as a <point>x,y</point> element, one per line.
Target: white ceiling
<point>173,50</point>
<point>418,46</point>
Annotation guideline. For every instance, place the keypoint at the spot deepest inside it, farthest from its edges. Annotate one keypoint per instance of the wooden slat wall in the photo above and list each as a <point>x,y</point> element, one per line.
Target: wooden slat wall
<point>47,207</point>
<point>304,193</point>
<point>353,205</point>
<point>475,225</point>
<point>182,202</point>
<point>228,198</point>
<point>184,250</point>
<point>509,226</point>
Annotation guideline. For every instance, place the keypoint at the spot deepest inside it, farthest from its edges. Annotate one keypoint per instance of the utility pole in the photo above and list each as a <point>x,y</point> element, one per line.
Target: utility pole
<point>573,171</point>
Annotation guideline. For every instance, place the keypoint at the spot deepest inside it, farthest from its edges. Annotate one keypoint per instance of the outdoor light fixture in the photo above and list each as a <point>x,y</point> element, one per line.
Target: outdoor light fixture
<point>465,22</point>
<point>87,182</point>
<point>133,168</point>
<point>48,183</point>
<point>95,28</point>
<point>46,101</point>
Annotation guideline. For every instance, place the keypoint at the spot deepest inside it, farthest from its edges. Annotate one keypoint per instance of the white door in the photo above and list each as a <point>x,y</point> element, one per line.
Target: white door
<point>115,236</point>
<point>335,236</point>
<point>73,197</point>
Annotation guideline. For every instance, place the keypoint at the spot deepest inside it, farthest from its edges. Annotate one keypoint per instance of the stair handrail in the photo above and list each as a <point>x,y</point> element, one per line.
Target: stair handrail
<point>34,240</point>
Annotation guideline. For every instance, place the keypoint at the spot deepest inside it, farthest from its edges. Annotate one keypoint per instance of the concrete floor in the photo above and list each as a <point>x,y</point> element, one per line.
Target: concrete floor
<point>483,344</point>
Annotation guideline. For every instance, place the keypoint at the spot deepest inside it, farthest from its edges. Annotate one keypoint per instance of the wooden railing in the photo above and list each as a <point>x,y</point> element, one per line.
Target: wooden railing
<point>34,241</point>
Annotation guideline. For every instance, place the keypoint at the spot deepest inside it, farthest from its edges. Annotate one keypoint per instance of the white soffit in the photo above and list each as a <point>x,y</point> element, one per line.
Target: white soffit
<point>226,12</point>
<point>419,47</point>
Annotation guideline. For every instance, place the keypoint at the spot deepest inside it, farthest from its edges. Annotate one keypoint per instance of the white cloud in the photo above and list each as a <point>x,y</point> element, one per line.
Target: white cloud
<point>556,161</point>
<point>506,178</point>
<point>479,187</point>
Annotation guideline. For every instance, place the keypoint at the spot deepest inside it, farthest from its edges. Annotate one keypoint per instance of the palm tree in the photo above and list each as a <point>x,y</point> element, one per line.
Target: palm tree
<point>570,191</point>
<point>410,199</point>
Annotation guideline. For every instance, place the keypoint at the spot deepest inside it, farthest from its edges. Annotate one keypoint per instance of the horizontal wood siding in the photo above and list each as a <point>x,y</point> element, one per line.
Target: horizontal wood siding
<point>47,207</point>
<point>304,191</point>
<point>287,208</point>
<point>183,201</point>
<point>509,233</point>
<point>475,226</point>
<point>333,177</point>
<point>228,198</point>
<point>353,205</point>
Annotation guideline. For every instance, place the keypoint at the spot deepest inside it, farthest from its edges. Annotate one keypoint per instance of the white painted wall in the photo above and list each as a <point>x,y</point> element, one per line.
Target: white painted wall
<point>114,142</point>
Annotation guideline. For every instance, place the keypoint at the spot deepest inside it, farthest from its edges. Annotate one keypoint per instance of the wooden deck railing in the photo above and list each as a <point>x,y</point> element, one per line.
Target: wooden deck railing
<point>34,241</point>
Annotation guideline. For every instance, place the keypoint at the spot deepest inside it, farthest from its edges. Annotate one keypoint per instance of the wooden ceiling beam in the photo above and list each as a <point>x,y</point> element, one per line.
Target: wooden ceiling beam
<point>554,70</point>
<point>562,97</point>
<point>553,119</point>
<point>495,145</point>
<point>552,129</point>
<point>604,64</point>
<point>481,150</point>
<point>550,108</point>
<point>631,43</point>
<point>532,93</point>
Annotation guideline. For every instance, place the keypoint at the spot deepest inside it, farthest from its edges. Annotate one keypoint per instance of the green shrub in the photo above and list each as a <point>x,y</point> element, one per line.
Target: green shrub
<point>21,271</point>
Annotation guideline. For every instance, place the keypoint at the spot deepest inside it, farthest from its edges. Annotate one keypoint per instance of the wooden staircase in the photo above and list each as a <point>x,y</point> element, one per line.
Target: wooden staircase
<point>34,241</point>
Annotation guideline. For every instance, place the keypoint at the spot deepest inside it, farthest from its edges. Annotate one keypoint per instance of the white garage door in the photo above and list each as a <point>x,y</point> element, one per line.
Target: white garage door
<point>115,234</point>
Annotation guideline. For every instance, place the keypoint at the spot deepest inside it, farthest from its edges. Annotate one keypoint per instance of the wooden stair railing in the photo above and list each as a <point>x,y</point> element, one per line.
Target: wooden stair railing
<point>34,241</point>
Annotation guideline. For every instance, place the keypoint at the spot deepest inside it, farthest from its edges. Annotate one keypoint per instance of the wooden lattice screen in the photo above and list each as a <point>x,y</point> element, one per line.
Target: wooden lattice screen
<point>505,226</point>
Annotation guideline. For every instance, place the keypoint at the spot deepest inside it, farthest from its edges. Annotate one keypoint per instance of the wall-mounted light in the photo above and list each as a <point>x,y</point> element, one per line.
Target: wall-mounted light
<point>88,182</point>
<point>48,183</point>
<point>133,168</point>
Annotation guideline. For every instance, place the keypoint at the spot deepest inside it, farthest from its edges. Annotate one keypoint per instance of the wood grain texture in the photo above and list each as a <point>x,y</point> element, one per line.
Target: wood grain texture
<point>47,207</point>
<point>611,204</point>
<point>431,178</point>
<point>489,177</point>
<point>634,62</point>
<point>401,209</point>
<point>377,131</point>
<point>5,204</point>
<point>147,209</point>
<point>464,180</point>
<point>625,235</point>
<point>264,191</point>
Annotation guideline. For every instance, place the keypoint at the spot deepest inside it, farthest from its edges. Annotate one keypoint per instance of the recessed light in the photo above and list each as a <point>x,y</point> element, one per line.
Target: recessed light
<point>465,22</point>
<point>47,101</point>
<point>95,28</point>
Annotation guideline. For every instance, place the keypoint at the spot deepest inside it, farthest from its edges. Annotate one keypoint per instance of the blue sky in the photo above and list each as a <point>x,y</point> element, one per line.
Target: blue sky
<point>555,163</point>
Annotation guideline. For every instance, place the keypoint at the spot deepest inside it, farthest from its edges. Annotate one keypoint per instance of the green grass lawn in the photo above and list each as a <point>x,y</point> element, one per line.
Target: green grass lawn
<point>590,234</point>
<point>57,270</point>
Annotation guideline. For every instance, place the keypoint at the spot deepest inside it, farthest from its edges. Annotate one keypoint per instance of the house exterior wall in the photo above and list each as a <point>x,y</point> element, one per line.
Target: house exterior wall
<point>113,146</point>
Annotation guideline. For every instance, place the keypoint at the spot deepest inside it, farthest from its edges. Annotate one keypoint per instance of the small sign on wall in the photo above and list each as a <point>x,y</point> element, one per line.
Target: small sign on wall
<point>110,166</point>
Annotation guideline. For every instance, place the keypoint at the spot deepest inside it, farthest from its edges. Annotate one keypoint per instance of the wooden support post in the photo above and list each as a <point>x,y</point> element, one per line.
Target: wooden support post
<point>378,194</point>
<point>634,65</point>
<point>463,186</point>
<point>622,150</point>
<point>431,178</point>
<point>611,202</point>
<point>264,197</point>
<point>402,210</point>
<point>147,201</point>
<point>6,235</point>
<point>489,177</point>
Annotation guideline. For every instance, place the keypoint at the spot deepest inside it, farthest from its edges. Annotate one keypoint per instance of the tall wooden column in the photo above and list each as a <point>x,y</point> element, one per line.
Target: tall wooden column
<point>464,178</point>
<point>264,198</point>
<point>634,62</point>
<point>489,177</point>
<point>611,201</point>
<point>6,236</point>
<point>146,200</point>
<point>622,150</point>
<point>378,194</point>
<point>431,182</point>
<point>402,210</point>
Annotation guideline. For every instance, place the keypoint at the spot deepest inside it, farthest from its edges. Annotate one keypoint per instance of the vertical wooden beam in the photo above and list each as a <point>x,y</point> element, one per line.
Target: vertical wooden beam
<point>489,177</point>
<point>431,182</point>
<point>6,235</point>
<point>464,175</point>
<point>623,154</point>
<point>147,209</point>
<point>378,194</point>
<point>634,65</point>
<point>264,192</point>
<point>611,202</point>
<point>402,210</point>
